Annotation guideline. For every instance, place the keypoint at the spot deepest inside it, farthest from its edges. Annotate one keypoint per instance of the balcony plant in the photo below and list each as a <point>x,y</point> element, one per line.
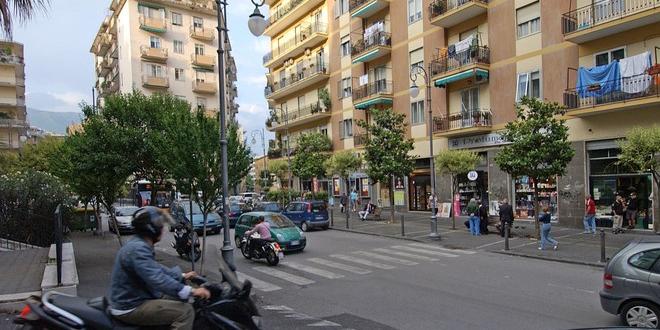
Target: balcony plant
<point>324,96</point>
<point>438,7</point>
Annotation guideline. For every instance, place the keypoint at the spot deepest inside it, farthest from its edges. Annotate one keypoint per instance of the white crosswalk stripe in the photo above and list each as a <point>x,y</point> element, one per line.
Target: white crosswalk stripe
<point>386,258</point>
<point>424,251</point>
<point>295,279</point>
<point>311,270</point>
<point>338,265</point>
<point>405,254</point>
<point>427,246</point>
<point>362,261</point>
<point>257,283</point>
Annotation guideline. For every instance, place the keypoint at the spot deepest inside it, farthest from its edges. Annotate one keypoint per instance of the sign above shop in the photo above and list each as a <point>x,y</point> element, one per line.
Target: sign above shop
<point>472,175</point>
<point>477,141</point>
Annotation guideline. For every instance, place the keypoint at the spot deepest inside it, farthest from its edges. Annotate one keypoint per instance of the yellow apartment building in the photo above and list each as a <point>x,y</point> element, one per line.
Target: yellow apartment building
<point>14,127</point>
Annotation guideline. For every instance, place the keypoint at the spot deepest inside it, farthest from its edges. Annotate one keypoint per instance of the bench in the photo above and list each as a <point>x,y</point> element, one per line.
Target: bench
<point>374,216</point>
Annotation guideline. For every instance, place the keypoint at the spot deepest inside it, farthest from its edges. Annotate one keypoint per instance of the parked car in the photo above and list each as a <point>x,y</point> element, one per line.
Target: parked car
<point>124,215</point>
<point>631,284</point>
<point>250,197</point>
<point>268,207</point>
<point>235,199</point>
<point>235,211</point>
<point>180,211</point>
<point>308,214</point>
<point>282,230</point>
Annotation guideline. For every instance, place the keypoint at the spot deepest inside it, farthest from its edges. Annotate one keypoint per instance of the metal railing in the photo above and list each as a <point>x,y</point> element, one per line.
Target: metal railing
<point>463,119</point>
<point>294,41</point>
<point>360,139</point>
<point>619,90</point>
<point>378,39</point>
<point>355,4</point>
<point>296,77</point>
<point>7,122</point>
<point>472,55</point>
<point>439,7</point>
<point>11,245</point>
<point>382,86</point>
<point>603,11</point>
<point>283,11</point>
<point>293,115</point>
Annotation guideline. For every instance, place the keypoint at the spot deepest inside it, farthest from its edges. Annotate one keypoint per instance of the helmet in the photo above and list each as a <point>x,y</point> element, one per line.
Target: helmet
<point>149,221</point>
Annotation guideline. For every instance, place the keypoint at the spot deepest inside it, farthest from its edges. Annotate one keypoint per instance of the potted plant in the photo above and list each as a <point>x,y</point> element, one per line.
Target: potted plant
<point>324,96</point>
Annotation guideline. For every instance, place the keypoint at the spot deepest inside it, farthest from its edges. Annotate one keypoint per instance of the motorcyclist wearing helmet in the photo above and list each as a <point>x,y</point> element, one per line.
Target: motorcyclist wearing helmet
<point>138,282</point>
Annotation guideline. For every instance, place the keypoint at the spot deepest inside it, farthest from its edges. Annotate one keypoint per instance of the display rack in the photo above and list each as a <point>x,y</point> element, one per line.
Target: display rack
<point>524,189</point>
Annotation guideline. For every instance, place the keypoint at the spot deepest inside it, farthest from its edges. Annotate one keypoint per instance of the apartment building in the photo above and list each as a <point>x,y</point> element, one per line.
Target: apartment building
<point>165,46</point>
<point>481,56</point>
<point>14,129</point>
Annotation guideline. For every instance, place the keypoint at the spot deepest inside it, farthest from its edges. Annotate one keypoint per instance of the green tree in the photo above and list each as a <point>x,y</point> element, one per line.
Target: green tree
<point>279,168</point>
<point>311,153</point>
<point>342,164</point>
<point>8,162</point>
<point>37,156</point>
<point>265,180</point>
<point>539,145</point>
<point>640,151</point>
<point>387,151</point>
<point>454,163</point>
<point>23,9</point>
<point>239,155</point>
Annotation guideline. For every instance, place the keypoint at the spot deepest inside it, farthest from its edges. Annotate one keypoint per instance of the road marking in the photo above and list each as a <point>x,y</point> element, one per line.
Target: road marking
<point>283,275</point>
<point>279,308</point>
<point>428,246</point>
<point>405,254</point>
<point>362,261</point>
<point>312,270</point>
<point>348,268</point>
<point>324,323</point>
<point>494,243</point>
<point>535,241</point>
<point>386,258</point>
<point>435,253</point>
<point>257,283</point>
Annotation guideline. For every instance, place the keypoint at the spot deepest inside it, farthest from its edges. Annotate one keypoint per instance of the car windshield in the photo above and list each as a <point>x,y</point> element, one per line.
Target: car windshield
<point>278,221</point>
<point>195,208</point>
<point>125,211</point>
<point>318,207</point>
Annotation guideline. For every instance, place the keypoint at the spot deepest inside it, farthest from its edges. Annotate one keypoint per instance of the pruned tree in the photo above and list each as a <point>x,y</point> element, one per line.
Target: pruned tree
<point>454,163</point>
<point>342,164</point>
<point>311,152</point>
<point>280,169</point>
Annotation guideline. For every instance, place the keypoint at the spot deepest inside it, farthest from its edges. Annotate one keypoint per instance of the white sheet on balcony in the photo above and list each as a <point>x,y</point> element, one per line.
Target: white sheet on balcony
<point>633,73</point>
<point>464,44</point>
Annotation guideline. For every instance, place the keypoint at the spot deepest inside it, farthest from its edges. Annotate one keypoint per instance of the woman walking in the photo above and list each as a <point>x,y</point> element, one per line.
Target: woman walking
<point>545,230</point>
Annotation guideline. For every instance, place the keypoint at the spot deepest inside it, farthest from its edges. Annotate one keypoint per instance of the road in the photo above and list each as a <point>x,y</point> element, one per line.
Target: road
<point>353,281</point>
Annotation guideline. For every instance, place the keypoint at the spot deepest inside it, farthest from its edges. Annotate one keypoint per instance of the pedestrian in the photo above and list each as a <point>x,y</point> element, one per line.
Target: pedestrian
<point>545,219</point>
<point>369,208</point>
<point>618,213</point>
<point>343,200</point>
<point>590,215</point>
<point>506,216</point>
<point>483,217</point>
<point>354,197</point>
<point>631,210</point>
<point>473,213</point>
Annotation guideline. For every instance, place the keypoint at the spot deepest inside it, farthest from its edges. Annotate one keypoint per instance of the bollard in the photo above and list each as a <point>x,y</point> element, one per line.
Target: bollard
<point>507,231</point>
<point>403,230</point>
<point>332,217</point>
<point>347,219</point>
<point>602,246</point>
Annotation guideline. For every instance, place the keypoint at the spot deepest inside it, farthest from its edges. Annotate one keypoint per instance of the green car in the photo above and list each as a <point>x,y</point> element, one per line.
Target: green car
<point>282,230</point>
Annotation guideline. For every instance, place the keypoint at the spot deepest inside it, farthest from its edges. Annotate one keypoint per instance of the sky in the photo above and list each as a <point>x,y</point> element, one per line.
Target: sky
<point>60,69</point>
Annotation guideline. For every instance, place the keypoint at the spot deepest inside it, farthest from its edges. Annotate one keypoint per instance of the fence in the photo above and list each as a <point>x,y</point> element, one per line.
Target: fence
<point>472,55</point>
<point>601,12</point>
<point>439,7</point>
<point>371,41</point>
<point>617,90</point>
<point>464,119</point>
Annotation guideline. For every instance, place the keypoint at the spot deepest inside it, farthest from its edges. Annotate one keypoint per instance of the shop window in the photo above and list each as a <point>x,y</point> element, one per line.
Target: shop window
<point>524,192</point>
<point>468,189</point>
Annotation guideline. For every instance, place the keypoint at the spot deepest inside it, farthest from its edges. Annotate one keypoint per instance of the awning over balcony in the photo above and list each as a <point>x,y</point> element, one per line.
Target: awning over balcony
<point>477,73</point>
<point>379,100</point>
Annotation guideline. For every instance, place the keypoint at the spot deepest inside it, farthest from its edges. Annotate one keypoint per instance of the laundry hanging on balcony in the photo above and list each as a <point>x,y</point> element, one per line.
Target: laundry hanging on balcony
<point>364,79</point>
<point>464,44</point>
<point>599,80</point>
<point>633,73</point>
<point>373,29</point>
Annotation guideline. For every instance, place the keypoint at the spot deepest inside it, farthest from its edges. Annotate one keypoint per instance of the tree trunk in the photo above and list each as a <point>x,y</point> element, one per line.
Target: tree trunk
<point>537,225</point>
<point>391,183</point>
<point>201,267</point>
<point>453,212</point>
<point>111,210</point>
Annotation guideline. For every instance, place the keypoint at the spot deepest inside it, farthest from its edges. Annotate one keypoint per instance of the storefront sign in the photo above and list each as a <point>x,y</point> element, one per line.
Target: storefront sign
<point>399,199</point>
<point>365,187</point>
<point>477,141</point>
<point>472,175</point>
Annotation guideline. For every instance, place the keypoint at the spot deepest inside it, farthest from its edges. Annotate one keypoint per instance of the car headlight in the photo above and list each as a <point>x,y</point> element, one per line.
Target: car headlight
<point>279,237</point>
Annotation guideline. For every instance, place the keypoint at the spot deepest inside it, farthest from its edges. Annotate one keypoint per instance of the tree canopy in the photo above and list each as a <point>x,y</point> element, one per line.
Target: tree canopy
<point>311,152</point>
<point>239,155</point>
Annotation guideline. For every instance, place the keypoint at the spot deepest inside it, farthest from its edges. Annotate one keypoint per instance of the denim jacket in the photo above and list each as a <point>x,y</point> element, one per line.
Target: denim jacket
<point>137,277</point>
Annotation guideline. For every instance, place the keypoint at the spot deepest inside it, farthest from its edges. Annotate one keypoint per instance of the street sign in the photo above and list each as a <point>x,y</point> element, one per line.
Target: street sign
<point>472,175</point>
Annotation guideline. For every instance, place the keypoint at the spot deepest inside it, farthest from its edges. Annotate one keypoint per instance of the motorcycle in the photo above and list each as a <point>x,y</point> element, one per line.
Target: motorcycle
<point>271,250</point>
<point>230,307</point>
<point>184,236</point>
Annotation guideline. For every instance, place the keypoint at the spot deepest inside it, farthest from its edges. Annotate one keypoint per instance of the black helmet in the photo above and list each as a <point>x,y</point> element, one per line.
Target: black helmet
<point>149,221</point>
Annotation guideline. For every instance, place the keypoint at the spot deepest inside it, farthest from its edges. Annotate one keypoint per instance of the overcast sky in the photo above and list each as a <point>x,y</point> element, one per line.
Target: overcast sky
<point>60,69</point>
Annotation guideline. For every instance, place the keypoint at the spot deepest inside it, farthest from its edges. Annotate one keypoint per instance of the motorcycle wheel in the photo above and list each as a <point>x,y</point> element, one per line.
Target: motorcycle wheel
<point>198,254</point>
<point>272,258</point>
<point>245,251</point>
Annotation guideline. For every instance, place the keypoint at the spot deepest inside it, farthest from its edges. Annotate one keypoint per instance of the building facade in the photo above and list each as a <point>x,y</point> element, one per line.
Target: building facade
<point>163,46</point>
<point>14,128</point>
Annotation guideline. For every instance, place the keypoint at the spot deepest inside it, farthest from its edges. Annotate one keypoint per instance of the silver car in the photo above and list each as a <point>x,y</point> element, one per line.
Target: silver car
<point>631,284</point>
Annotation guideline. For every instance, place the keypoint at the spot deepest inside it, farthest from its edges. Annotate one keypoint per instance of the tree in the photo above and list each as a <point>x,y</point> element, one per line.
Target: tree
<point>640,151</point>
<point>240,157</point>
<point>23,9</point>
<point>265,180</point>
<point>343,163</point>
<point>8,162</point>
<point>539,145</point>
<point>279,168</point>
<point>387,150</point>
<point>37,156</point>
<point>310,155</point>
<point>454,163</point>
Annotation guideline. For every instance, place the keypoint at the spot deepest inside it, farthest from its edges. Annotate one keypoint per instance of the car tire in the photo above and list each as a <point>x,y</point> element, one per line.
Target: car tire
<point>237,241</point>
<point>637,314</point>
<point>304,226</point>
<point>326,227</point>
<point>216,231</point>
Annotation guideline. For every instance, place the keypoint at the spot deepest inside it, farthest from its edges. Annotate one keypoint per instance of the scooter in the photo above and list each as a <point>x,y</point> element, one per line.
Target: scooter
<point>230,307</point>
<point>184,236</point>
<point>271,250</point>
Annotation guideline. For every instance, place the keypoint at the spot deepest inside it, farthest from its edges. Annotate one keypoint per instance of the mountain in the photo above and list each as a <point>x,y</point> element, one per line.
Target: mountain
<point>54,122</point>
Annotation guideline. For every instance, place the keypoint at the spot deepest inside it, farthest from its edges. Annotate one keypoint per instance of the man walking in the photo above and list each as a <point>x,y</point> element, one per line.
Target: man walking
<point>631,210</point>
<point>590,215</point>
<point>473,213</point>
<point>506,216</point>
<point>483,217</point>
<point>353,199</point>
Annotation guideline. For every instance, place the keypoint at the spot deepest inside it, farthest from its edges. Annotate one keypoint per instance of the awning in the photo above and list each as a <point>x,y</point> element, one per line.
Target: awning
<point>442,82</point>
<point>379,100</point>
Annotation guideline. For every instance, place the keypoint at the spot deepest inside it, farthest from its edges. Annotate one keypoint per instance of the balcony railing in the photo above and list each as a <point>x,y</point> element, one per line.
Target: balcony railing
<point>155,54</point>
<point>472,55</point>
<point>153,24</point>
<point>155,81</point>
<point>206,87</point>
<point>10,59</point>
<point>283,10</point>
<point>440,7</point>
<point>374,88</point>
<point>360,140</point>
<point>378,39</point>
<point>297,39</point>
<point>293,115</point>
<point>299,76</point>
<point>464,119</point>
<point>201,33</point>
<point>9,122</point>
<point>619,90</point>
<point>603,11</point>
<point>203,60</point>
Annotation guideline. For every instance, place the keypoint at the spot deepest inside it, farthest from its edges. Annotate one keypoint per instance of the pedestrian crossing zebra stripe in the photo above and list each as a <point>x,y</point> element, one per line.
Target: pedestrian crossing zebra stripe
<point>257,283</point>
<point>427,246</point>
<point>295,279</point>
<point>311,270</point>
<point>362,261</point>
<point>338,265</point>
<point>405,254</point>
<point>386,258</point>
<point>435,253</point>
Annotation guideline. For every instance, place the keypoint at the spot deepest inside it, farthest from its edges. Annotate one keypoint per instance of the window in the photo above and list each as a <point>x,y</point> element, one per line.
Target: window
<point>200,76</point>
<point>414,11</point>
<point>153,70</point>
<point>417,112</point>
<point>178,74</point>
<point>346,88</point>
<point>154,42</point>
<point>346,128</point>
<point>151,12</point>
<point>609,56</point>
<point>529,84</point>
<point>345,46</point>
<point>178,46</point>
<point>177,19</point>
<point>201,103</point>
<point>470,99</point>
<point>416,58</point>
<point>323,130</point>
<point>644,260</point>
<point>465,34</point>
<point>198,22</point>
<point>199,49</point>
<point>535,84</point>
<point>528,19</point>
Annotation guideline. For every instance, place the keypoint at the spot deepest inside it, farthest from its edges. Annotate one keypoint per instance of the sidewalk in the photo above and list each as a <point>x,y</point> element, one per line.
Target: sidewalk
<point>574,247</point>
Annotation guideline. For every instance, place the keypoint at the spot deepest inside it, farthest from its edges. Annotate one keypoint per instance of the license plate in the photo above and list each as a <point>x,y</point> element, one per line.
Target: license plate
<point>295,242</point>
<point>319,218</point>
<point>280,255</point>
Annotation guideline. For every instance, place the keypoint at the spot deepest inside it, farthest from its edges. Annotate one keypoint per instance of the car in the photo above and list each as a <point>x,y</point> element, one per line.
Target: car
<point>631,284</point>
<point>235,199</point>
<point>249,197</point>
<point>269,207</point>
<point>282,230</point>
<point>180,211</point>
<point>308,214</point>
<point>235,211</point>
<point>124,215</point>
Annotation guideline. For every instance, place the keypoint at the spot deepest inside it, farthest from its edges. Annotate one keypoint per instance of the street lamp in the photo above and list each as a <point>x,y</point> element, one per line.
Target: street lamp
<point>414,92</point>
<point>257,23</point>
<point>256,133</point>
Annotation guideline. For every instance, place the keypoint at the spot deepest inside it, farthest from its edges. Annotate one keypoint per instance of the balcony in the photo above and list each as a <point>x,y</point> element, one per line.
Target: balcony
<point>9,122</point>
<point>463,123</point>
<point>11,81</point>
<point>605,18</point>
<point>448,13</point>
<point>154,54</point>
<point>205,87</point>
<point>153,24</point>
<point>149,81</point>
<point>640,91</point>
<point>10,59</point>
<point>371,94</point>
<point>307,38</point>
<point>203,61</point>
<point>102,67</point>
<point>289,13</point>
<point>360,140</point>
<point>366,8</point>
<point>296,82</point>
<point>472,63</point>
<point>114,51</point>
<point>304,115</point>
<point>371,48</point>
<point>10,102</point>
<point>202,33</point>
<point>105,41</point>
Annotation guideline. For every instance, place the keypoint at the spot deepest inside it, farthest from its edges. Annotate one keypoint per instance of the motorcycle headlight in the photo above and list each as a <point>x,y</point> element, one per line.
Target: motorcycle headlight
<point>279,237</point>
<point>257,321</point>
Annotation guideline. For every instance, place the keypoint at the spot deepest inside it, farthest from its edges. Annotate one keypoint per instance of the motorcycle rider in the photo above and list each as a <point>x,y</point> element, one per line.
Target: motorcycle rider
<point>263,229</point>
<point>138,282</point>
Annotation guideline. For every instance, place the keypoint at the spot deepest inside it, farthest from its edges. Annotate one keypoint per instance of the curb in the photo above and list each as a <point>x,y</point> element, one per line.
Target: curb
<point>378,235</point>
<point>566,261</point>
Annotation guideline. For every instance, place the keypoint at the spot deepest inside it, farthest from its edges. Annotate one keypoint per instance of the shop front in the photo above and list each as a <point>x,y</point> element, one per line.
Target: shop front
<point>419,186</point>
<point>524,197</point>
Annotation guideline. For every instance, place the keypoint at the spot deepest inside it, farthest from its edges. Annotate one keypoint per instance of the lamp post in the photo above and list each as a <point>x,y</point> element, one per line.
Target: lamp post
<point>414,92</point>
<point>256,133</point>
